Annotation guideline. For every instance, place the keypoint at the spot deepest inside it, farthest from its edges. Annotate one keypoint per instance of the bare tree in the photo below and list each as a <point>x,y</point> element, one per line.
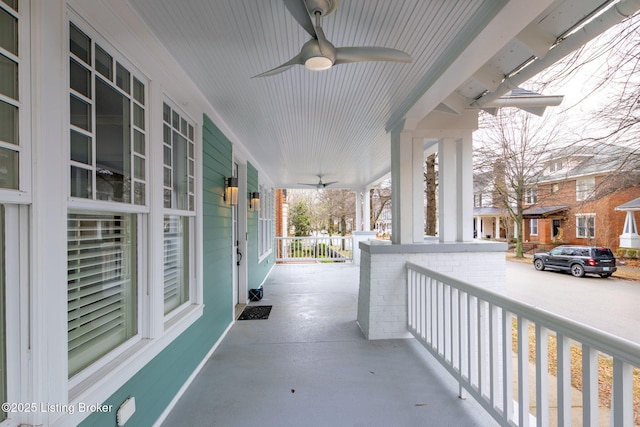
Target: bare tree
<point>513,146</point>
<point>430,191</point>
<point>380,197</point>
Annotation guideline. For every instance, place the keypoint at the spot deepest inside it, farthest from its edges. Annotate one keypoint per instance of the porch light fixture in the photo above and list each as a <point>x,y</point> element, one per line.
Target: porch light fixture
<point>231,190</point>
<point>254,202</point>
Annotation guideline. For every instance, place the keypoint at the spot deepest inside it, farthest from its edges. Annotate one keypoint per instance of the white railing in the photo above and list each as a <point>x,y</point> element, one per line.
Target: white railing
<point>323,249</point>
<point>498,350</point>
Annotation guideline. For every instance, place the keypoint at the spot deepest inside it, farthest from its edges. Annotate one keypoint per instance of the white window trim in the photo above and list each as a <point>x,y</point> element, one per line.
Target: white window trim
<point>588,194</point>
<point>266,207</point>
<point>531,226</point>
<point>100,380</point>
<point>587,215</point>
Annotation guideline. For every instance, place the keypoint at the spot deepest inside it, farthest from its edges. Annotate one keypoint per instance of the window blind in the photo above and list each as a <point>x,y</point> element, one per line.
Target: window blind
<point>176,290</point>
<point>101,285</point>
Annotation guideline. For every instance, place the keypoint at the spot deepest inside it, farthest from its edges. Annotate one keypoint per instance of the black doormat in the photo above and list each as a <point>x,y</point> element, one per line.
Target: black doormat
<point>255,312</point>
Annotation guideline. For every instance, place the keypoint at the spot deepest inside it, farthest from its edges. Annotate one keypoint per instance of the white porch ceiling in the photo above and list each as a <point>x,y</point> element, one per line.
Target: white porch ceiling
<point>299,124</point>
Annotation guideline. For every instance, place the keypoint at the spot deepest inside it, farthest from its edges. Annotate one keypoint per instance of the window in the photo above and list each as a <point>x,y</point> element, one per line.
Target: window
<point>102,288</point>
<point>9,97</point>
<point>585,188</point>
<point>555,166</point>
<point>531,196</point>
<point>179,205</point>
<point>533,226</point>
<point>586,226</point>
<point>107,164</point>
<point>3,352</point>
<point>265,221</point>
<point>107,135</point>
<point>555,188</point>
<point>477,200</point>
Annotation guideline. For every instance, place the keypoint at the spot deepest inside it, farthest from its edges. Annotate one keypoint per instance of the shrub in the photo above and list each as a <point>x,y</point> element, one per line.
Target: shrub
<point>621,252</point>
<point>632,253</point>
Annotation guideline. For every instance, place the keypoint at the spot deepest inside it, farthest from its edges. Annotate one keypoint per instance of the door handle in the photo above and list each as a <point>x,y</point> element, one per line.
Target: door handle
<point>239,256</point>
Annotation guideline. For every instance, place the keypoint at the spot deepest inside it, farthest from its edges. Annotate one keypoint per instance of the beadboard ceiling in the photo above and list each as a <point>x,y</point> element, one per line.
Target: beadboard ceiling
<point>334,123</point>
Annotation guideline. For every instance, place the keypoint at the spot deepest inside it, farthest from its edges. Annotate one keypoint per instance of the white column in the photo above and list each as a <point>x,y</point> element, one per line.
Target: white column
<point>358,225</point>
<point>464,162</point>
<point>366,210</point>
<point>407,155</point>
<point>629,237</point>
<point>448,189</point>
<point>497,227</point>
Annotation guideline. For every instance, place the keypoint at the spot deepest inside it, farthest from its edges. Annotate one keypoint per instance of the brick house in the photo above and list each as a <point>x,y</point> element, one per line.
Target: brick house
<point>574,201</point>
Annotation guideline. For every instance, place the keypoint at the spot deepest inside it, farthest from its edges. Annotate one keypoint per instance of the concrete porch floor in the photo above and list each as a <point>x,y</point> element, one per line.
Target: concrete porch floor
<point>310,365</point>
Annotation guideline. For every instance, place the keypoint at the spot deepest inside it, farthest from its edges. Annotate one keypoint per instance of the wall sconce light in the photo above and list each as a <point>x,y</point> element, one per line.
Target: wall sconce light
<point>231,190</point>
<point>254,203</point>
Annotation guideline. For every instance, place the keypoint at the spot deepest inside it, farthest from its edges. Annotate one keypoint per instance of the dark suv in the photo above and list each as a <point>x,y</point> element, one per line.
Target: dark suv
<point>578,260</point>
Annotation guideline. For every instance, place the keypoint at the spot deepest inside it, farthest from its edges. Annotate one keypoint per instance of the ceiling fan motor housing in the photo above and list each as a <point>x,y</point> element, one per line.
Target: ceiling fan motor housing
<point>324,7</point>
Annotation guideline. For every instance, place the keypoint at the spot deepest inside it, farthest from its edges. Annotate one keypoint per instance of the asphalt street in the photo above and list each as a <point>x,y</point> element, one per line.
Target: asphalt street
<point>611,305</point>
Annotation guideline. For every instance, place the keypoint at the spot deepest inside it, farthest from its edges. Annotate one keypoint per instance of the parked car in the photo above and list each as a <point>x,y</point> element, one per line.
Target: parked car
<point>578,260</point>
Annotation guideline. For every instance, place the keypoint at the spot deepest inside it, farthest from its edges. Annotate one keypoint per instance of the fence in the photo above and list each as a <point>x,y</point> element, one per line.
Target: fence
<point>478,335</point>
<point>307,249</point>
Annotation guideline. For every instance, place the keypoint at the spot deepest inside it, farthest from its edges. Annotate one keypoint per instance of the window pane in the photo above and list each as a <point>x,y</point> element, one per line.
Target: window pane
<point>8,32</point>
<point>138,116</point>
<point>8,169</point>
<point>81,183</point>
<point>138,142</point>
<point>113,163</point>
<point>80,44</point>
<point>179,167</point>
<point>80,148</point>
<point>8,123</point>
<point>123,78</point>
<point>176,258</point>
<point>104,63</point>
<point>80,78</point>
<point>139,193</point>
<point>138,167</point>
<point>80,113</point>
<point>8,77</point>
<point>166,113</point>
<point>167,178</point>
<point>138,91</point>
<point>101,285</point>
<point>13,4</point>
<point>3,336</point>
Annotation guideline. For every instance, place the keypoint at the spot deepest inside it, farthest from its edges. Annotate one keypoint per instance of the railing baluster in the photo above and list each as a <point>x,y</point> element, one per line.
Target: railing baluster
<point>564,380</point>
<point>622,396</point>
<point>523,372</point>
<point>507,366</point>
<point>542,376</point>
<point>589,386</point>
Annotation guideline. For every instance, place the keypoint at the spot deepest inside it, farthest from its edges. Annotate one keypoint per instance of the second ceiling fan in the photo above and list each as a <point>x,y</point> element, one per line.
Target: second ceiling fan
<point>319,53</point>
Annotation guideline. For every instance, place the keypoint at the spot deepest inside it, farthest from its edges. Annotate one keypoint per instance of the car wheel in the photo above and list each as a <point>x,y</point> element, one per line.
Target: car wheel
<point>605,275</point>
<point>577,270</point>
<point>538,264</point>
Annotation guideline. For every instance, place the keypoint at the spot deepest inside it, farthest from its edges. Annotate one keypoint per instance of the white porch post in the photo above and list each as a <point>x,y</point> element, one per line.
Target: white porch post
<point>629,237</point>
<point>465,187</point>
<point>497,227</point>
<point>448,182</point>
<point>407,155</point>
<point>366,210</point>
<point>358,225</point>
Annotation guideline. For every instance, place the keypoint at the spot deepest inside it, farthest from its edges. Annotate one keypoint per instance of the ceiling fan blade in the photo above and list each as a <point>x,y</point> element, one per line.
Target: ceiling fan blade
<point>345,55</point>
<point>296,60</point>
<point>298,9</point>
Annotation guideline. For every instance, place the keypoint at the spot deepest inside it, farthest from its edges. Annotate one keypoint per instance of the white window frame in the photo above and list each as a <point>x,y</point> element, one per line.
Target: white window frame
<point>585,217</point>
<point>477,200</point>
<point>531,196</point>
<point>139,211</point>
<point>189,212</point>
<point>265,223</point>
<point>585,188</point>
<point>23,148</point>
<point>533,225</point>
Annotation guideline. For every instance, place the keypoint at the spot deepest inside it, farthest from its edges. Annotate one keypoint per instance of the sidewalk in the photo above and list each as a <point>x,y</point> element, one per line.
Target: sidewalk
<point>625,271</point>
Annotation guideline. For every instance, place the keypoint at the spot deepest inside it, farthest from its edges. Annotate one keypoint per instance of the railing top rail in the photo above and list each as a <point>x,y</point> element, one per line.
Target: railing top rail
<point>624,349</point>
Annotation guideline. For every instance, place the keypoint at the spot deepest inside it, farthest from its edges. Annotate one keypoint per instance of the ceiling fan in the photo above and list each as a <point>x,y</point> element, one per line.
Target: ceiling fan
<point>318,53</point>
<point>320,184</point>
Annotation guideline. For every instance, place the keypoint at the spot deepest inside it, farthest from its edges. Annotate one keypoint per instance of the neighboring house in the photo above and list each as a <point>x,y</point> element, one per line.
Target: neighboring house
<point>574,201</point>
<point>490,217</point>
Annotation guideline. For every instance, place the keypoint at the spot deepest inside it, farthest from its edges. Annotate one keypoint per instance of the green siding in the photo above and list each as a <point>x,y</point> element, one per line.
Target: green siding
<point>257,270</point>
<point>159,381</point>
